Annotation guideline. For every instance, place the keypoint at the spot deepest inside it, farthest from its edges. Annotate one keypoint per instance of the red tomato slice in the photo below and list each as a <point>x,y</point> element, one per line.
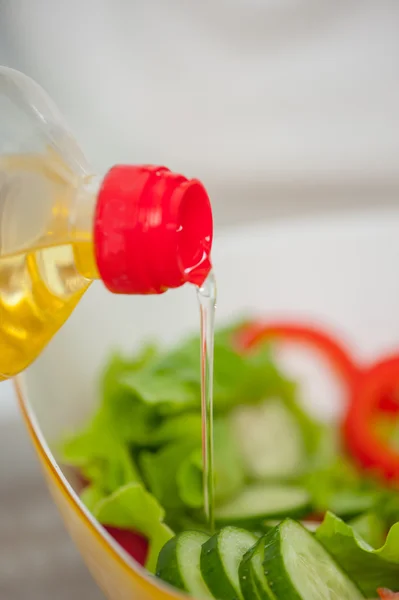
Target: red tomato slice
<point>133,543</point>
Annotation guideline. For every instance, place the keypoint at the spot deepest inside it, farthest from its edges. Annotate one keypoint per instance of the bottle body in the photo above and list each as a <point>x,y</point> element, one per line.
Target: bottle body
<point>141,230</point>
<point>46,253</point>
<point>42,175</point>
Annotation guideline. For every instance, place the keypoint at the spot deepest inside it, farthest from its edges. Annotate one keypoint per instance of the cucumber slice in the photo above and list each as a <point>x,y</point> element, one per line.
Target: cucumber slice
<point>309,525</point>
<point>220,560</point>
<point>272,426</point>
<point>261,580</point>
<point>179,563</point>
<point>247,582</point>
<point>299,568</point>
<point>254,584</point>
<point>259,502</point>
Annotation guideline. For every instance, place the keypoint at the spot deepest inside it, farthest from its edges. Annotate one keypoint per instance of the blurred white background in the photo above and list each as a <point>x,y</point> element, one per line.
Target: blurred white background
<point>288,104</point>
<point>280,106</point>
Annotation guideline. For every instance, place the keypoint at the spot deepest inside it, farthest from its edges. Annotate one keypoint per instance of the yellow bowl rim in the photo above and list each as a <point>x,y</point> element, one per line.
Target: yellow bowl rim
<point>127,562</point>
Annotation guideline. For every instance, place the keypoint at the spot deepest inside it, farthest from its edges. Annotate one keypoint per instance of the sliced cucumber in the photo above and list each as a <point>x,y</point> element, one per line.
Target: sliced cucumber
<point>270,439</point>
<point>220,560</point>
<point>254,584</point>
<point>309,525</point>
<point>247,582</point>
<point>261,580</point>
<point>299,568</point>
<point>179,563</point>
<point>259,502</point>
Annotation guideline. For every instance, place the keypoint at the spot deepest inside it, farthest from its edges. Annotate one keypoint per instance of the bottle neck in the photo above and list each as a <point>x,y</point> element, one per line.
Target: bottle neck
<point>82,221</point>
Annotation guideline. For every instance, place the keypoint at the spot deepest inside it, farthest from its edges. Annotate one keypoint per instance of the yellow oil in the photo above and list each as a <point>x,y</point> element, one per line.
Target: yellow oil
<point>38,292</point>
<point>39,288</point>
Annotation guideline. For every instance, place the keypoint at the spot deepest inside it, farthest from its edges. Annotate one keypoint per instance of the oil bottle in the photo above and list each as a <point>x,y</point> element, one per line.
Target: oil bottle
<point>140,229</point>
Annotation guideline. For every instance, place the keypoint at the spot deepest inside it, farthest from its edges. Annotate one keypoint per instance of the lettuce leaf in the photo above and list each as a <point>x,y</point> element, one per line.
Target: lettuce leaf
<point>153,399</point>
<point>160,470</point>
<point>228,469</point>
<point>175,428</point>
<point>102,458</point>
<point>228,463</point>
<point>238,377</point>
<point>340,487</point>
<point>147,429</point>
<point>189,480</point>
<point>370,568</point>
<point>132,507</point>
<point>388,506</point>
<point>164,391</point>
<point>371,527</point>
<point>91,496</point>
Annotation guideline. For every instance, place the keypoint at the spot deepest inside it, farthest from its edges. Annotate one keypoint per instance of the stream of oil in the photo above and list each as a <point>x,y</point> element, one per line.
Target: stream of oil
<point>207,303</point>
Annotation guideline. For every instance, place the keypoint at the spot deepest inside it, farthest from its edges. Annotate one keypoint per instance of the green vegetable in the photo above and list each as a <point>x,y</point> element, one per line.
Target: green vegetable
<point>189,480</point>
<point>179,563</point>
<point>91,496</point>
<point>160,471</point>
<point>237,377</point>
<point>260,502</point>
<point>132,507</point>
<point>228,467</point>
<point>165,392</point>
<point>260,574</point>
<point>221,556</point>
<point>387,506</point>
<point>259,430</point>
<point>175,428</point>
<point>119,409</point>
<point>299,568</point>
<point>371,527</point>
<point>147,432</point>
<point>340,487</point>
<point>101,456</point>
<point>253,588</point>
<point>370,568</point>
<point>175,472</point>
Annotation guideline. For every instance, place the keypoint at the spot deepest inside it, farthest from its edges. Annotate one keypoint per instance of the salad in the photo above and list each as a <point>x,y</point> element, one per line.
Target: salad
<point>304,510</point>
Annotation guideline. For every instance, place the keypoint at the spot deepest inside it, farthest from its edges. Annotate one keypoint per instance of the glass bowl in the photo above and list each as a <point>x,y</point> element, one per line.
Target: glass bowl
<point>340,272</point>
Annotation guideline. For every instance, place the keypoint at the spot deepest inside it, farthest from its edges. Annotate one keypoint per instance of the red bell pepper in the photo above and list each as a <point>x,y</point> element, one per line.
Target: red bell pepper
<point>385,594</point>
<point>369,401</point>
<point>389,400</point>
<point>339,358</point>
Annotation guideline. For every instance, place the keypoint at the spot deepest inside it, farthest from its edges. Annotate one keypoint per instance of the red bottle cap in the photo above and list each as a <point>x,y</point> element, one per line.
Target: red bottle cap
<point>152,230</point>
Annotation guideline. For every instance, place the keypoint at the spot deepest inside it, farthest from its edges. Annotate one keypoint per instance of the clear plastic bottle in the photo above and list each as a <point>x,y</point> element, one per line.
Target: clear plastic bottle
<point>139,229</point>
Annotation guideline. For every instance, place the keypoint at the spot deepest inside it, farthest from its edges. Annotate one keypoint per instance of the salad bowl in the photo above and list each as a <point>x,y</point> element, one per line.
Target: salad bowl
<point>339,272</point>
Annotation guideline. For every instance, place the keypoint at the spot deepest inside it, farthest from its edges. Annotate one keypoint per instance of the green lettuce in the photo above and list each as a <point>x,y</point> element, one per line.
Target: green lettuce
<point>91,496</point>
<point>174,473</point>
<point>152,400</point>
<point>189,480</point>
<point>229,475</point>
<point>160,470</point>
<point>371,527</point>
<point>369,567</point>
<point>340,487</point>
<point>133,507</point>
<point>101,457</point>
<point>238,377</point>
